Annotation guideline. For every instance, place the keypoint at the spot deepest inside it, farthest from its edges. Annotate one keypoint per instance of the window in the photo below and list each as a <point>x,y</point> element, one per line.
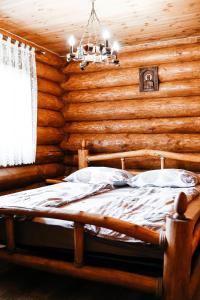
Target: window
<point>18,103</point>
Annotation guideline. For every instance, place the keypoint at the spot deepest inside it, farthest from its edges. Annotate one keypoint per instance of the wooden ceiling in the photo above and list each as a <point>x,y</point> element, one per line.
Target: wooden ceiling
<point>50,22</point>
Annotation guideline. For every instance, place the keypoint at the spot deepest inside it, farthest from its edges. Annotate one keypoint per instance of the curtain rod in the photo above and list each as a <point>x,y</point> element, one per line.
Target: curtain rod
<point>16,37</point>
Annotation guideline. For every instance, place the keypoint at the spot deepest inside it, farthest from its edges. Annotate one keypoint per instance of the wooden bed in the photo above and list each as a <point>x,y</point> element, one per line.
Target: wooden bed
<point>181,268</point>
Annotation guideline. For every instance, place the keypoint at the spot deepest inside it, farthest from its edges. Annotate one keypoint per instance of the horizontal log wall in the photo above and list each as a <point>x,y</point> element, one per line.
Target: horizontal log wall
<point>22,176</point>
<point>50,118</point>
<point>125,142</point>
<point>49,158</point>
<point>104,106</point>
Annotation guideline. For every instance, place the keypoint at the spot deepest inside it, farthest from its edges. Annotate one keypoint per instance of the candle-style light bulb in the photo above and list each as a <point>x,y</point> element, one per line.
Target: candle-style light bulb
<point>71,42</point>
<point>115,49</point>
<point>106,36</point>
<point>116,46</point>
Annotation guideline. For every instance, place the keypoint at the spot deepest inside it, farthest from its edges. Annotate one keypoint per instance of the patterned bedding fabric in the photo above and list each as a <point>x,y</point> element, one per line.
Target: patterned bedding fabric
<point>147,206</point>
<point>52,196</point>
<point>96,175</point>
<point>165,178</point>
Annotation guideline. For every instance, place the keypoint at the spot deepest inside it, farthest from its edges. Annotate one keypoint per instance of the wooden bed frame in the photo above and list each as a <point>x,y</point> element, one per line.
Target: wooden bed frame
<point>179,242</point>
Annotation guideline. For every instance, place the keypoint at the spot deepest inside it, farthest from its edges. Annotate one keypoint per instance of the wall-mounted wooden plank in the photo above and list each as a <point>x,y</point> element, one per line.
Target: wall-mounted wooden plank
<point>124,142</point>
<point>49,154</point>
<point>130,76</point>
<point>50,87</point>
<point>49,101</point>
<point>49,135</point>
<point>139,163</point>
<point>20,176</point>
<point>50,118</point>
<point>133,109</point>
<point>154,125</point>
<point>179,53</point>
<point>166,89</point>
<point>50,73</point>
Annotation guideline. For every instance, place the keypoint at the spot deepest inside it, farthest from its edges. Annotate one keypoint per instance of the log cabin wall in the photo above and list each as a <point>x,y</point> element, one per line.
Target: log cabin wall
<point>49,159</point>
<point>103,105</point>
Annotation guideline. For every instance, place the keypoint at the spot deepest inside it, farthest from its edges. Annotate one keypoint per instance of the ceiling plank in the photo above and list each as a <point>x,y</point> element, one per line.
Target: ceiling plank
<point>50,22</point>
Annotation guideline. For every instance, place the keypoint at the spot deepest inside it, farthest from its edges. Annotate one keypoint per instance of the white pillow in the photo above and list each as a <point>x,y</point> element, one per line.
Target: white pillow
<point>100,175</point>
<point>165,178</point>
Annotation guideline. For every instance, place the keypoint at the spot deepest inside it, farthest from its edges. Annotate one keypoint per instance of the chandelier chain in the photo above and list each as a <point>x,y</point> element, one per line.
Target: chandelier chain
<point>91,21</point>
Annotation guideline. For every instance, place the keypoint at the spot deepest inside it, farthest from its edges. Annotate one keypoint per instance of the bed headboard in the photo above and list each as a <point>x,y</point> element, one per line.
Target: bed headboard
<point>84,158</point>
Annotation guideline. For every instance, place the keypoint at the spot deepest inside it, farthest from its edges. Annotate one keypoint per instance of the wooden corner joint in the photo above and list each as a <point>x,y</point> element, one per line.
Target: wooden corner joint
<point>180,206</point>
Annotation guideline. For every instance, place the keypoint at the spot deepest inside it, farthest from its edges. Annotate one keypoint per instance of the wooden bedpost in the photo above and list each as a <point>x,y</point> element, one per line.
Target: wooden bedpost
<point>9,221</point>
<point>82,156</point>
<point>178,253</point>
<point>78,244</point>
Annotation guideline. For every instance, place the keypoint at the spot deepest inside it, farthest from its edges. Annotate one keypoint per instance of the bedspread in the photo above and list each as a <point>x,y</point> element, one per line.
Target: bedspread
<point>148,207</point>
<point>52,196</point>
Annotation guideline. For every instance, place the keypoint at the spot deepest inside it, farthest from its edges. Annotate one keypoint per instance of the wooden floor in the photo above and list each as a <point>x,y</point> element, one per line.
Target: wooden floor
<point>17,283</point>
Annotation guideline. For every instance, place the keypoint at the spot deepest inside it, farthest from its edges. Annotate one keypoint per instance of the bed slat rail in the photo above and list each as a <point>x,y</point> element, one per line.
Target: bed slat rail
<point>131,280</point>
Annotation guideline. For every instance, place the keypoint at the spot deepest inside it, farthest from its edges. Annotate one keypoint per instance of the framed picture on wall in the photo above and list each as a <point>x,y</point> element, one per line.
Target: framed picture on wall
<point>148,77</point>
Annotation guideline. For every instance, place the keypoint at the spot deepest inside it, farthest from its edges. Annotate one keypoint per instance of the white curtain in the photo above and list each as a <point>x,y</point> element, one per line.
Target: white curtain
<point>18,103</point>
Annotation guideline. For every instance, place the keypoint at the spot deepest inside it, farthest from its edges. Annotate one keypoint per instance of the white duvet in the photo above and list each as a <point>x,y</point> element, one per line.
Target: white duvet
<point>148,207</point>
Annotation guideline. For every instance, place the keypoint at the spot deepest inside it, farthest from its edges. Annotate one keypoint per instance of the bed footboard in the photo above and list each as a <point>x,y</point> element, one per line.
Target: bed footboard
<point>78,268</point>
<point>179,243</point>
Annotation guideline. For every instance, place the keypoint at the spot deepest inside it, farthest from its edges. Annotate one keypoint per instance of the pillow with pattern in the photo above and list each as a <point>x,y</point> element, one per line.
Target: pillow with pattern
<point>165,178</point>
<point>100,175</point>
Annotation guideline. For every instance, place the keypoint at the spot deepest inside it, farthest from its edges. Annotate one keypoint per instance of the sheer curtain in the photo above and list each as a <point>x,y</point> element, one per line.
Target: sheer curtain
<point>18,103</point>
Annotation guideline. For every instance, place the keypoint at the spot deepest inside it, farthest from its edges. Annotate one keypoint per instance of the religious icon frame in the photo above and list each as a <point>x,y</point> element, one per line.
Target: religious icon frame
<point>148,79</point>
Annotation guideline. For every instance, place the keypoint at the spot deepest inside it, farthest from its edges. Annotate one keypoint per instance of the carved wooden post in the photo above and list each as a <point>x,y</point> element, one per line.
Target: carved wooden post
<point>82,156</point>
<point>162,162</point>
<point>123,163</point>
<point>78,244</point>
<point>178,254</point>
